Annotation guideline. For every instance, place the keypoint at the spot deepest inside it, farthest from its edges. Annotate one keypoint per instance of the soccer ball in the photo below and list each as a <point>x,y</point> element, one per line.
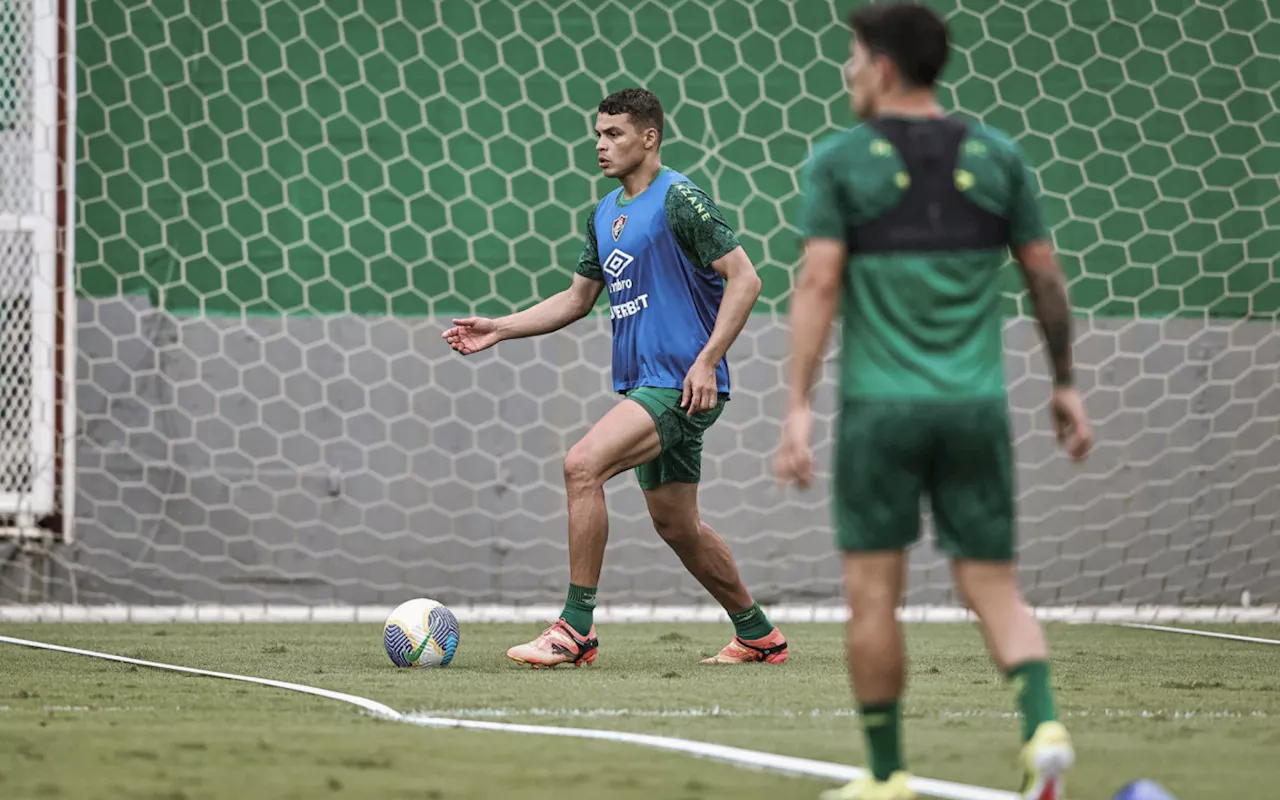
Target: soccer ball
<point>1143,790</point>
<point>421,633</point>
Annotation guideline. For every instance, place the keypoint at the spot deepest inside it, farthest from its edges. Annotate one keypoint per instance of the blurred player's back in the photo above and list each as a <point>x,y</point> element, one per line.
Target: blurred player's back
<point>909,218</point>
<point>928,216</point>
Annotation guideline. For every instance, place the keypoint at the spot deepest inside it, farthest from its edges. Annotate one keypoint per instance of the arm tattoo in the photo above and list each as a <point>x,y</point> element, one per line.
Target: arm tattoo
<point>1053,309</point>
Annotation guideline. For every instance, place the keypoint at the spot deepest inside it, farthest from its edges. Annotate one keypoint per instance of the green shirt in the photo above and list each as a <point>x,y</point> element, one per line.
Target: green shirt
<point>921,321</point>
<point>697,224</point>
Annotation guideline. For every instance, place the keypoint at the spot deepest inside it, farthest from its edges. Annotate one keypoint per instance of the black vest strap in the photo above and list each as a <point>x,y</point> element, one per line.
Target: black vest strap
<point>933,215</point>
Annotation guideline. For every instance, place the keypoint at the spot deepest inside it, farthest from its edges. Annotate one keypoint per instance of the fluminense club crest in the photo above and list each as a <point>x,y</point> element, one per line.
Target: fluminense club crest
<point>618,225</point>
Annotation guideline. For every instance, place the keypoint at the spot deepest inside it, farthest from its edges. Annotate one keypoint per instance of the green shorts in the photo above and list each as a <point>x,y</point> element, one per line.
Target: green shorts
<point>958,453</point>
<point>681,435</point>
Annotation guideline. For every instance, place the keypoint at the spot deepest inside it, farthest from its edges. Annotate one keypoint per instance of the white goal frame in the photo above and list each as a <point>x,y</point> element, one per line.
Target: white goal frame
<point>52,280</point>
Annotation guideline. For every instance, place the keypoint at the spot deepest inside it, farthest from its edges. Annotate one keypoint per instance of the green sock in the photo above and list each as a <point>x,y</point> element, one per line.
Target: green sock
<point>579,607</point>
<point>882,725</point>
<point>1035,696</point>
<point>751,624</point>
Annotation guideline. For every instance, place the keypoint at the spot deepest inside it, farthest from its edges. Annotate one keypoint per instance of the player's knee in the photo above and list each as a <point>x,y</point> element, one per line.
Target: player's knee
<point>677,533</point>
<point>981,585</point>
<point>580,469</point>
<point>870,599</point>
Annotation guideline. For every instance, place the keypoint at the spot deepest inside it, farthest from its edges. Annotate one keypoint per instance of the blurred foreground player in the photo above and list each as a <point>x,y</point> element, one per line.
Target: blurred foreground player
<point>909,218</point>
<point>680,290</point>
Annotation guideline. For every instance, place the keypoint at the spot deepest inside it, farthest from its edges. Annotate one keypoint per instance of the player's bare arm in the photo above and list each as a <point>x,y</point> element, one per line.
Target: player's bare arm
<point>1047,287</point>
<point>741,290</point>
<point>813,309</point>
<point>473,334</point>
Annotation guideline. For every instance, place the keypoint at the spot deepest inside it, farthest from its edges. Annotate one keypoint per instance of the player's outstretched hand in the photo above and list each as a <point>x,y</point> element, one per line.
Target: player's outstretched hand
<point>699,393</point>
<point>794,462</point>
<point>472,334</point>
<point>1071,422</point>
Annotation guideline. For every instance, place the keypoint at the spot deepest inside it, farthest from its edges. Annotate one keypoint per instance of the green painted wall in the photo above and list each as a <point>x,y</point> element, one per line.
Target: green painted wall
<point>411,157</point>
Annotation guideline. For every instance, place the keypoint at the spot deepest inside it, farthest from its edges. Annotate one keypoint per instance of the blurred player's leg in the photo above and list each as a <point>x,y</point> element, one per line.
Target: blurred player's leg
<point>972,492</point>
<point>623,438</point>
<point>882,456</point>
<point>674,510</point>
<point>1018,646</point>
<point>1012,632</point>
<point>873,587</point>
<point>873,583</point>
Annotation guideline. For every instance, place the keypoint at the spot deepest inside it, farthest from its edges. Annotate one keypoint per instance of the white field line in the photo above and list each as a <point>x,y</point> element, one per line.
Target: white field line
<point>88,709</point>
<point>372,706</point>
<point>751,759</point>
<point>714,712</point>
<point>466,613</point>
<point>733,755</point>
<point>1192,632</point>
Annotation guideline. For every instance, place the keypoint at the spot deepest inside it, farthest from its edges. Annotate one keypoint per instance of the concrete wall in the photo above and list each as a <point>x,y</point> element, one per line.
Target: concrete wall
<point>356,460</point>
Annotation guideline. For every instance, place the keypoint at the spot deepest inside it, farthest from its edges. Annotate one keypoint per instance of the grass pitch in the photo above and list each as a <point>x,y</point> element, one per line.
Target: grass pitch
<point>1201,716</point>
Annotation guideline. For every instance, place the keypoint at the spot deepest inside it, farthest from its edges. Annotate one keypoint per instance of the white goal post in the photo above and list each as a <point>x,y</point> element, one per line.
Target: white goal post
<point>36,74</point>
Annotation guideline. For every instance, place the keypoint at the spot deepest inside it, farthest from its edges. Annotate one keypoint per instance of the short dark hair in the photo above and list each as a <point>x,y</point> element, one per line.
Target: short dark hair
<point>641,105</point>
<point>911,35</point>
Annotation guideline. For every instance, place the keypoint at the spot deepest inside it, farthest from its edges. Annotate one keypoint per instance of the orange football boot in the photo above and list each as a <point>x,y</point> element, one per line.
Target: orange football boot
<point>772,649</point>
<point>559,644</point>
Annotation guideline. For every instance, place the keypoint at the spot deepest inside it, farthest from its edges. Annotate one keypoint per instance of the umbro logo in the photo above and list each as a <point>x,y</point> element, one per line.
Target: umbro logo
<point>616,262</point>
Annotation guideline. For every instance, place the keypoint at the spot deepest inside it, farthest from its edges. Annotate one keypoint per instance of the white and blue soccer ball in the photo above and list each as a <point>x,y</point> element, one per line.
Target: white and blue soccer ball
<point>421,633</point>
<point>1143,790</point>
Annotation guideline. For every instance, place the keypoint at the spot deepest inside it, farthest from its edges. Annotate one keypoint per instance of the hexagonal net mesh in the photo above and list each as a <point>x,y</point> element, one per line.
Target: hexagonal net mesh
<point>282,202</point>
<point>28,272</point>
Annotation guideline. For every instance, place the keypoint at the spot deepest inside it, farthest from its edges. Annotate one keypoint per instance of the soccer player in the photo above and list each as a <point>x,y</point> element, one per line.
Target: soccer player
<point>680,289</point>
<point>907,219</point>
